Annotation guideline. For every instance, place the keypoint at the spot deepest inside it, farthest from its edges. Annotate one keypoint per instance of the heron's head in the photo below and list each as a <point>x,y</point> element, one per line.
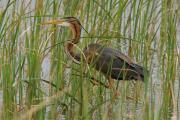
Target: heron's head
<point>70,22</point>
<point>66,21</point>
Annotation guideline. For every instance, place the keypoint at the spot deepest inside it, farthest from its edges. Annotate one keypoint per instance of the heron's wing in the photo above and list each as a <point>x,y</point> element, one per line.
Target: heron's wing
<point>122,56</point>
<point>134,68</point>
<point>109,53</point>
<point>119,60</point>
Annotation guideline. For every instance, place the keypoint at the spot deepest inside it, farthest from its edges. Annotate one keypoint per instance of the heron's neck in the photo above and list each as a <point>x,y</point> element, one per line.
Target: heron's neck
<point>70,51</point>
<point>76,33</point>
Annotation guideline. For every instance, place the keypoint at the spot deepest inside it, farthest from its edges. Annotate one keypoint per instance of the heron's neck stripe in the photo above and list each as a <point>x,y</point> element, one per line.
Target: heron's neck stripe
<point>75,30</point>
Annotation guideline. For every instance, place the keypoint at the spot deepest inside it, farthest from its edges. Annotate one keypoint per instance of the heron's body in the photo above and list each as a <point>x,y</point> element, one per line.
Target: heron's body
<point>112,63</point>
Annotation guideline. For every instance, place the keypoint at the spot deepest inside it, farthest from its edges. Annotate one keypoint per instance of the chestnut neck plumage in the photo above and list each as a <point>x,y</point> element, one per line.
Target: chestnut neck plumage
<point>76,33</point>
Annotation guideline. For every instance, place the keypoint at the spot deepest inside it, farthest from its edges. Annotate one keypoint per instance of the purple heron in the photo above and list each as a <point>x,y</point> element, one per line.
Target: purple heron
<point>112,63</point>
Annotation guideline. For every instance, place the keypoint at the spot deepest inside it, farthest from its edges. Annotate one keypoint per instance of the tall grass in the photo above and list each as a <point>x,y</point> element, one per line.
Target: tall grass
<point>39,81</point>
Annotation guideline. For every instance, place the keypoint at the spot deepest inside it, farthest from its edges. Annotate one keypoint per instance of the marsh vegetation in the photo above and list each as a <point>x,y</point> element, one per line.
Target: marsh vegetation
<point>38,80</point>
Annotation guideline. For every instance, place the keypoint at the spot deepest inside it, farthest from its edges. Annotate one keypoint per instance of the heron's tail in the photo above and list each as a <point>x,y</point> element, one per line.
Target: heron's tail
<point>141,72</point>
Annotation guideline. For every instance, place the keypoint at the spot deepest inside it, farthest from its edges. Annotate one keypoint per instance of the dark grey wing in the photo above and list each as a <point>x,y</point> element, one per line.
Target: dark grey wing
<point>123,64</point>
<point>111,62</point>
<point>120,55</point>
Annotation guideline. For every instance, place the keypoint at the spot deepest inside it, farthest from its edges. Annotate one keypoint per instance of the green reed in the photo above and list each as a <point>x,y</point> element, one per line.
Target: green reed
<point>144,30</point>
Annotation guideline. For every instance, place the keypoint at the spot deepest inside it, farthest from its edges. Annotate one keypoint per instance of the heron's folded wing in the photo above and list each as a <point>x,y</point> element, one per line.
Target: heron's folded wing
<point>122,56</point>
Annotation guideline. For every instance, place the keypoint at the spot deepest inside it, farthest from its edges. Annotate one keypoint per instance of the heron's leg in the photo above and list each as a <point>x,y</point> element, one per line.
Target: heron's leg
<point>110,82</point>
<point>111,86</point>
<point>94,81</point>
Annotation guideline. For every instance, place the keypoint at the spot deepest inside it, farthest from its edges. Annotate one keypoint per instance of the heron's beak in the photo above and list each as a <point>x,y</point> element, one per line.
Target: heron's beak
<point>55,22</point>
<point>62,22</point>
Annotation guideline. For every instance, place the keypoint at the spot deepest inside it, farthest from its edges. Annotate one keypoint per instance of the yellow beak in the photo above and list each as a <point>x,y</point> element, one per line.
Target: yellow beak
<point>60,21</point>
